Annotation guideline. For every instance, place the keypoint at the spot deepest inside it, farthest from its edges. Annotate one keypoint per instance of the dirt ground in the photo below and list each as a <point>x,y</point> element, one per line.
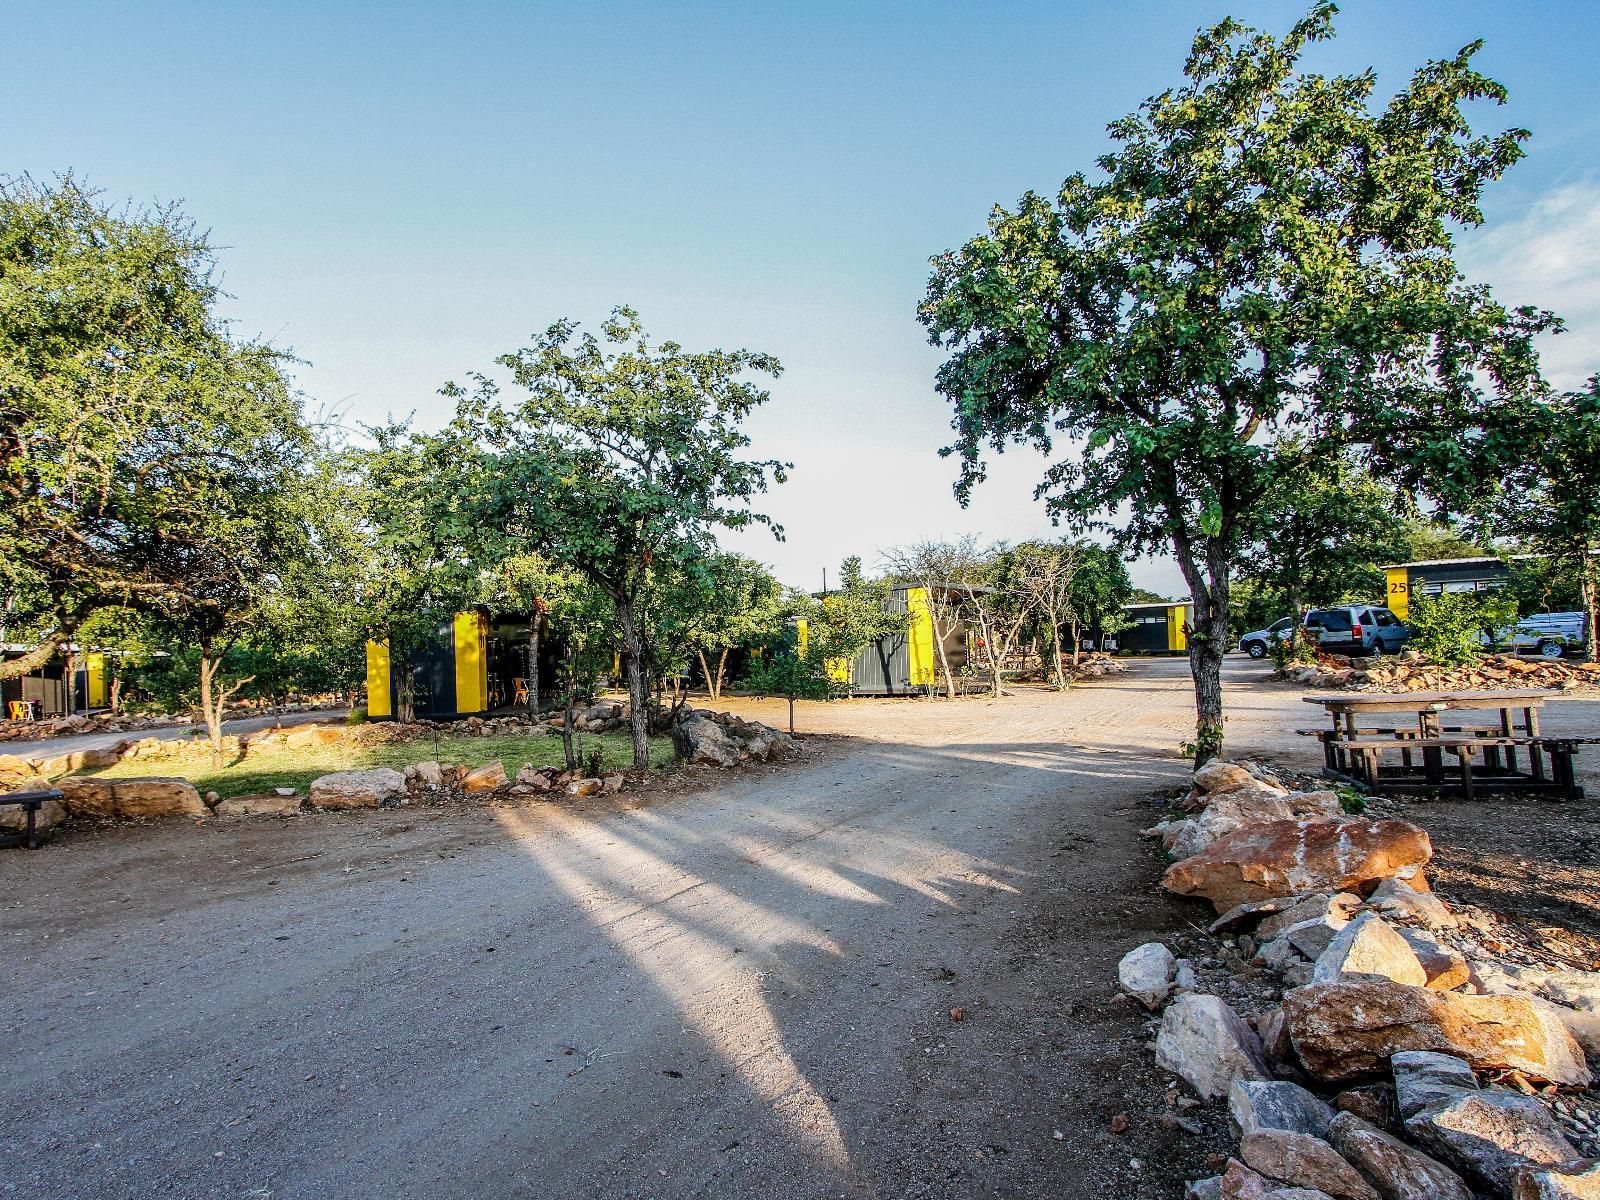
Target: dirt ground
<point>731,985</point>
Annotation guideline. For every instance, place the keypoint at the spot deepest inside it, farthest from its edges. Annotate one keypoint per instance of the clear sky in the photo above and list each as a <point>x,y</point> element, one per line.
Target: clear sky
<point>403,191</point>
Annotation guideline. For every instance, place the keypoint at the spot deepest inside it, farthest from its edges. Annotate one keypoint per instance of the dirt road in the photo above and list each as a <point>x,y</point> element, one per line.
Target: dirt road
<point>741,991</point>
<point>49,747</point>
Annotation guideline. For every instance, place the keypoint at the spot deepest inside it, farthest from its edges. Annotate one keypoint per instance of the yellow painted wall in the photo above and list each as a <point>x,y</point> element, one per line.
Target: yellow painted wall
<point>1175,618</point>
<point>802,637</point>
<point>1399,592</point>
<point>99,694</point>
<point>472,662</point>
<point>919,637</point>
<point>380,699</point>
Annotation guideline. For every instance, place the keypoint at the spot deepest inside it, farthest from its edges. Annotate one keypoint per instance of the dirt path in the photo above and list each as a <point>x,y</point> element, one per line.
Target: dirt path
<point>744,991</point>
<point>49,747</point>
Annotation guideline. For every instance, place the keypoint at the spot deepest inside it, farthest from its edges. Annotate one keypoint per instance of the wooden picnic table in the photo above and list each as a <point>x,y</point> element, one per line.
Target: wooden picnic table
<point>1353,751</point>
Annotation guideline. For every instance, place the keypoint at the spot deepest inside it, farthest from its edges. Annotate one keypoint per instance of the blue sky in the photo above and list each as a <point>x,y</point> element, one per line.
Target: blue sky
<point>403,191</point>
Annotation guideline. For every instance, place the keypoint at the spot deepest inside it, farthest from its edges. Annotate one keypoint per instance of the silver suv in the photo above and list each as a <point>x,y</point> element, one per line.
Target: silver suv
<point>1357,629</point>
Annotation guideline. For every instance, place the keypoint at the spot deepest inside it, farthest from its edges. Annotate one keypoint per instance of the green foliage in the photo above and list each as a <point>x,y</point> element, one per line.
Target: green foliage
<point>726,601</point>
<point>1350,800</point>
<point>848,620</point>
<point>1454,627</point>
<point>1261,276</point>
<point>788,673</point>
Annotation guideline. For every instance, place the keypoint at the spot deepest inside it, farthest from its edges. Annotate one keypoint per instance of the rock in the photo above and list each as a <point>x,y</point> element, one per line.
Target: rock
<point>266,804</point>
<point>584,787</point>
<point>1422,1077</point>
<point>1374,1103</point>
<point>1368,946</point>
<point>1184,979</point>
<point>1203,1189</point>
<point>1399,901</point>
<point>130,798</point>
<point>1237,807</point>
<point>1273,1031</point>
<point>92,760</point>
<point>490,777</point>
<point>1304,1161</point>
<point>613,783</point>
<point>1488,1134</point>
<point>1333,910</point>
<point>1242,916</point>
<point>357,789</point>
<point>534,778</point>
<point>1206,1043</point>
<point>1442,967</point>
<point>1286,857</point>
<point>1146,973</point>
<point>1576,989</point>
<point>698,739</point>
<point>1398,1171</point>
<point>1217,774</point>
<point>1578,1180</point>
<point>1256,1104</point>
<point>427,774</point>
<point>1353,1027</point>
<point>1582,1025</point>
<point>48,815</point>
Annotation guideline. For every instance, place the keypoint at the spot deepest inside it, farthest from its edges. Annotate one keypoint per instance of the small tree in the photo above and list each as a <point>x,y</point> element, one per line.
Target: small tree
<point>728,601</point>
<point>932,566</point>
<point>792,674</point>
<point>1454,627</point>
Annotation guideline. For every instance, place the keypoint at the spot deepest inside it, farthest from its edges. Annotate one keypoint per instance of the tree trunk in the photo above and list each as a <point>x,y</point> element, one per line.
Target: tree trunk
<point>791,714</point>
<point>705,669</point>
<point>638,693</point>
<point>944,659</point>
<point>35,658</point>
<point>211,706</point>
<point>116,694</point>
<point>1591,632</point>
<point>533,662</point>
<point>1077,645</point>
<point>569,755</point>
<point>1207,642</point>
<point>722,665</point>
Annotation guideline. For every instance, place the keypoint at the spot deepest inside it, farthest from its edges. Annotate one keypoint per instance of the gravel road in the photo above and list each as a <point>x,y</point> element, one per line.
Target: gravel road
<point>743,990</point>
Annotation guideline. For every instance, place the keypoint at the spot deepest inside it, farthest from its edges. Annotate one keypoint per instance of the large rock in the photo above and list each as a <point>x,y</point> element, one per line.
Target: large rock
<point>1368,946</point>
<point>1334,910</point>
<point>1398,1171</point>
<point>1274,1104</point>
<point>49,814</point>
<point>1206,1043</point>
<point>1399,901</point>
<point>1146,973</point>
<point>357,789</point>
<point>1286,857</point>
<point>1236,808</point>
<point>1218,774</point>
<point>1442,967</point>
<point>1422,1077</point>
<point>266,804</point>
<point>1569,1181</point>
<point>132,798</point>
<point>490,777</point>
<point>1353,1027</point>
<point>1304,1161</point>
<point>426,774</point>
<point>699,739</point>
<point>1490,1134</point>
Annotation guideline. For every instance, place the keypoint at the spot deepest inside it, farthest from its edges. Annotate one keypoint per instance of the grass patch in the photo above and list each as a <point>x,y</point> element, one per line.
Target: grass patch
<point>296,767</point>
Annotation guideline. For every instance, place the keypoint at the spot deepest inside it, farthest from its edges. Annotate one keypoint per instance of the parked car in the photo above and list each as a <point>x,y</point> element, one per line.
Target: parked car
<point>1358,629</point>
<point>1546,634</point>
<point>1257,644</point>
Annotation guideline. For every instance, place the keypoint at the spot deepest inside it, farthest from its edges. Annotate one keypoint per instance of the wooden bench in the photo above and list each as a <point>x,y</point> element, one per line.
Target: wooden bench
<point>1359,757</point>
<point>30,803</point>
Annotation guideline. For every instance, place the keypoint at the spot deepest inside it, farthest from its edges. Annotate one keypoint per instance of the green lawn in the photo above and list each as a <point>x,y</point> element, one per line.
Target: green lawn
<point>284,767</point>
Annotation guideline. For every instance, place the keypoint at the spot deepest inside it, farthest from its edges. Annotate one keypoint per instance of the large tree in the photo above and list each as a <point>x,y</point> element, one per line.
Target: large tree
<point>1262,254</point>
<point>128,414</point>
<point>622,459</point>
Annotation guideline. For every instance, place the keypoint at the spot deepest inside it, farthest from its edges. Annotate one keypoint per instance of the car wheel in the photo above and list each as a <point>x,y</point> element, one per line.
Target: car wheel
<point>1256,650</point>
<point>1551,649</point>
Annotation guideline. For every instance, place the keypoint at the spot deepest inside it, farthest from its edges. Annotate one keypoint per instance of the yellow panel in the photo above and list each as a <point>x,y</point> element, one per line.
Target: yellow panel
<point>380,702</point>
<point>1399,592</point>
<point>802,637</point>
<point>838,670</point>
<point>96,667</point>
<point>919,637</point>
<point>472,663</point>
<point>1175,636</point>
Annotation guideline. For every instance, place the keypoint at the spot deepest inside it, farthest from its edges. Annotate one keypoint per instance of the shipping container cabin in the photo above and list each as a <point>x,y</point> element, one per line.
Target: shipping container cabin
<point>478,663</point>
<point>72,681</point>
<point>901,664</point>
<point>1159,627</point>
<point>1433,576</point>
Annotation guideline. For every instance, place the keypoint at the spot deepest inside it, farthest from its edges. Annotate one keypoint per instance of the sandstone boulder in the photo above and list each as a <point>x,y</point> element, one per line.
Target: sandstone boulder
<point>357,789</point>
<point>1368,946</point>
<point>532,777</point>
<point>1442,967</point>
<point>1334,911</point>
<point>585,787</point>
<point>1578,1180</point>
<point>1217,774</point>
<point>428,774</point>
<point>1399,901</point>
<point>1206,1043</point>
<point>1237,807</point>
<point>1146,973</point>
<point>1304,1161</point>
<point>1353,1027</point>
<point>48,815</point>
<point>1243,916</point>
<point>1286,857</point>
<point>490,777</point>
<point>1490,1134</point>
<point>266,804</point>
<point>1397,1170</point>
<point>132,798</point>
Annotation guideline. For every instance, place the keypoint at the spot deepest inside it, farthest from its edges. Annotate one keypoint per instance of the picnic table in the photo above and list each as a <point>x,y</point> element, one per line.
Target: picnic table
<point>30,802</point>
<point>1513,750</point>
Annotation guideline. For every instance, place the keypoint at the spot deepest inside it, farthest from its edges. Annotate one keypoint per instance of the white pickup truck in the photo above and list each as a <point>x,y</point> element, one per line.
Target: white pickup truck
<point>1547,634</point>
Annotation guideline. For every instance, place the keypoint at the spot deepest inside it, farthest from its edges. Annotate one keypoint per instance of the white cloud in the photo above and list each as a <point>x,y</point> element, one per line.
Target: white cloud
<point>1549,256</point>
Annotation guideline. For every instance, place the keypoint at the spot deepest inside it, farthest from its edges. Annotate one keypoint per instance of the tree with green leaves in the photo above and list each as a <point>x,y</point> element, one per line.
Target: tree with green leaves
<point>622,459</point>
<point>793,672</point>
<point>1265,255</point>
<point>730,601</point>
<point>1553,503</point>
<point>855,615</point>
<point>130,419</point>
<point>932,565</point>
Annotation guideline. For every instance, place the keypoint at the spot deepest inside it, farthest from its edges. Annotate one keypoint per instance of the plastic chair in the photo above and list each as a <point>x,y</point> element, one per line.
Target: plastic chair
<point>520,692</point>
<point>21,710</point>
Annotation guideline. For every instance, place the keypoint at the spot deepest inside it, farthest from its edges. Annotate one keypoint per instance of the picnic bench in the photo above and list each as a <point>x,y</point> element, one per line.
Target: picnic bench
<point>30,803</point>
<point>1515,755</point>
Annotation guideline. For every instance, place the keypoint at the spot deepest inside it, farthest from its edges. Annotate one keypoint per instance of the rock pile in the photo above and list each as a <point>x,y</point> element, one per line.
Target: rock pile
<point>1399,1060</point>
<point>1411,672</point>
<point>724,740</point>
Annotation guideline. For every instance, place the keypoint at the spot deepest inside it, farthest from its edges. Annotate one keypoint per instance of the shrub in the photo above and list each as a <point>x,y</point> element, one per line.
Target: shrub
<point>1456,627</point>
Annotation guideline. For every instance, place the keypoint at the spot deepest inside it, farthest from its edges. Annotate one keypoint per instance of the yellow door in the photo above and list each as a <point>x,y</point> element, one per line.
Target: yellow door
<point>380,702</point>
<point>919,637</point>
<point>472,663</point>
